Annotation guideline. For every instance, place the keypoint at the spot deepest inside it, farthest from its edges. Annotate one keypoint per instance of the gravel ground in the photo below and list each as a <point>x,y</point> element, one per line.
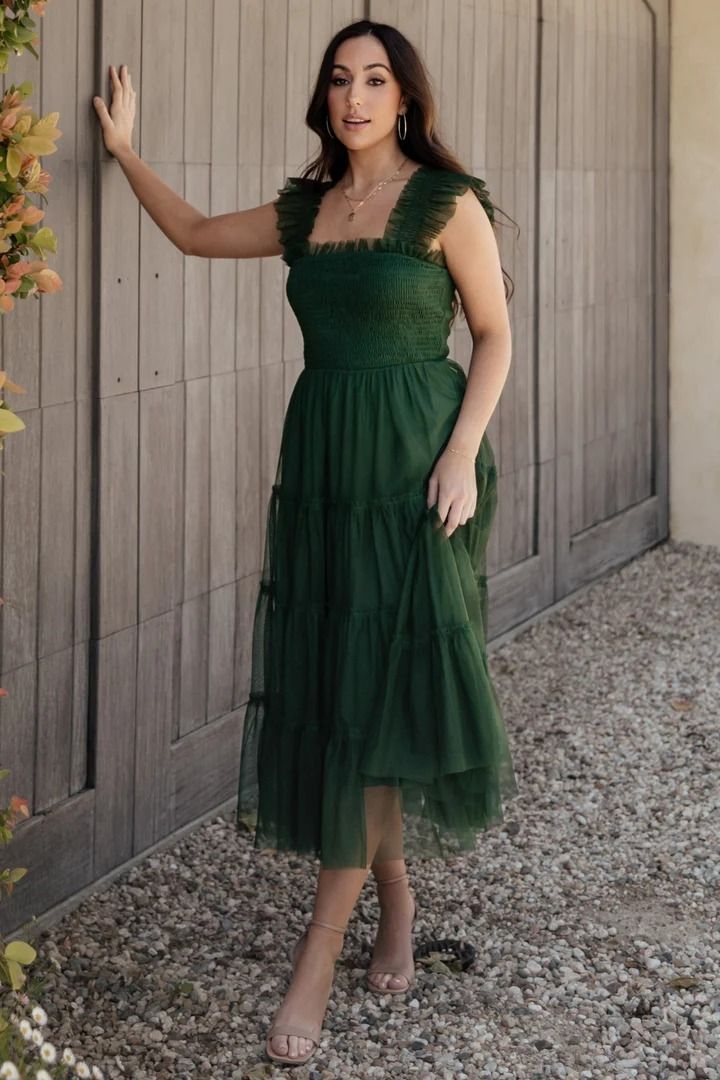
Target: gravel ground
<point>593,909</point>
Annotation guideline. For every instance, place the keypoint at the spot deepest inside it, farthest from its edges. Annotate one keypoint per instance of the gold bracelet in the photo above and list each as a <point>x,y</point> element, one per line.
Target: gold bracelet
<point>452,451</point>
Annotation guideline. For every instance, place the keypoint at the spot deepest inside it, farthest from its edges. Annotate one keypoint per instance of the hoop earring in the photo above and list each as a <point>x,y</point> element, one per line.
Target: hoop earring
<point>327,125</point>
<point>402,116</point>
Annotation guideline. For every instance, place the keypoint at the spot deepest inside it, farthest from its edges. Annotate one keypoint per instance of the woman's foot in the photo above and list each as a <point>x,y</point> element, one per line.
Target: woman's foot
<point>304,1005</point>
<point>393,950</point>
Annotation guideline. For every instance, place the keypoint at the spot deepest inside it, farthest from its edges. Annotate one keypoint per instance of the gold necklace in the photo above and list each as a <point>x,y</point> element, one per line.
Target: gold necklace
<point>377,188</point>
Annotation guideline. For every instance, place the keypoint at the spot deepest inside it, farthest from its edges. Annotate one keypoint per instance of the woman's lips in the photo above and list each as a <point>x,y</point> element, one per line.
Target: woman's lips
<point>355,123</point>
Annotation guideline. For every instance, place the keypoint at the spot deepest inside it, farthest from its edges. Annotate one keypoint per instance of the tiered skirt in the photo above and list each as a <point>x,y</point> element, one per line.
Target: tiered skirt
<point>369,667</point>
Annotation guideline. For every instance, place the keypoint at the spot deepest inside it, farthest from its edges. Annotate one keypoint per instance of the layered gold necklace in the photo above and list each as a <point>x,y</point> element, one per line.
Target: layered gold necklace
<point>360,202</point>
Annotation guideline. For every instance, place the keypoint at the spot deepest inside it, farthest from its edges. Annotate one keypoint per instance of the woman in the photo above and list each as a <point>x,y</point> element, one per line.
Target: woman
<point>372,732</point>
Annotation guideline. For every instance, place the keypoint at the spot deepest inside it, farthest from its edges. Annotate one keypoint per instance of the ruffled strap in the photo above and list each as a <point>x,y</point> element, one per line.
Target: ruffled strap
<point>295,208</point>
<point>425,215</point>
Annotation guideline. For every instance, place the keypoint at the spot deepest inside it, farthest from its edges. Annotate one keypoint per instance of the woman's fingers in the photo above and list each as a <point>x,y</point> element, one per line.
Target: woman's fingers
<point>117,119</point>
<point>454,512</point>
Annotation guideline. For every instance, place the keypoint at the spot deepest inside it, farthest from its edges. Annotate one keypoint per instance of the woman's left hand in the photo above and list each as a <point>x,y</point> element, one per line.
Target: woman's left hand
<point>453,486</point>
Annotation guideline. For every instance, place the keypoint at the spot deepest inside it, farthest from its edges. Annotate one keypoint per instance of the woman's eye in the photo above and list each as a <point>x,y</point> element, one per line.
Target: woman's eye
<point>339,79</point>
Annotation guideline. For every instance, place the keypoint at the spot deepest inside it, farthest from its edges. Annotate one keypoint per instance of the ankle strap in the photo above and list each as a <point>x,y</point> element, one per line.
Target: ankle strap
<point>327,925</point>
<point>390,880</point>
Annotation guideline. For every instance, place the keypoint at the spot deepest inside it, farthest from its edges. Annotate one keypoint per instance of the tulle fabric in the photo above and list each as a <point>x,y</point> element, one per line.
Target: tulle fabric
<point>371,702</point>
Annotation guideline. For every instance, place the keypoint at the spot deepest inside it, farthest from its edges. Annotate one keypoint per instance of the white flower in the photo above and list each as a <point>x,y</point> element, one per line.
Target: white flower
<point>68,1058</point>
<point>42,1074</point>
<point>37,1036</point>
<point>97,1073</point>
<point>81,1069</point>
<point>8,1071</point>
<point>26,1029</point>
<point>48,1053</point>
<point>40,1017</point>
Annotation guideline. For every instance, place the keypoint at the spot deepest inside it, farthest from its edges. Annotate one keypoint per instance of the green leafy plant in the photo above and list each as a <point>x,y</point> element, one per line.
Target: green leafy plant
<point>17,28</point>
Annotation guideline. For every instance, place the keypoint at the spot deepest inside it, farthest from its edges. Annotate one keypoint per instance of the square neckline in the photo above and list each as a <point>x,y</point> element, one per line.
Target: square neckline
<point>313,247</point>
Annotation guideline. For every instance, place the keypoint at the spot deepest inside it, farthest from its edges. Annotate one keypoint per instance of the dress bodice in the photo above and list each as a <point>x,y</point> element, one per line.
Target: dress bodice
<point>373,302</point>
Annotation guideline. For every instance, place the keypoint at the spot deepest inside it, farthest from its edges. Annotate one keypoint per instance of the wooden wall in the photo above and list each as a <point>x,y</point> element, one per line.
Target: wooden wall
<point>133,506</point>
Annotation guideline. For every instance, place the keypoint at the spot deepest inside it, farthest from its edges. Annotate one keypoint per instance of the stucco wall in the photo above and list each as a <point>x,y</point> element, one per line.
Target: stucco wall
<point>695,271</point>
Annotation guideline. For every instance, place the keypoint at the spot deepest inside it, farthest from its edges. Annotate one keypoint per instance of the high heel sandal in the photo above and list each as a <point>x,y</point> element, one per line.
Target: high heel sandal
<point>313,1032</point>
<point>408,975</point>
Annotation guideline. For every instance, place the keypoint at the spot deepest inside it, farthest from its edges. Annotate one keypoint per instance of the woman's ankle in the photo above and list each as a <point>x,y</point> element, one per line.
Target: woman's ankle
<point>389,870</point>
<point>325,941</point>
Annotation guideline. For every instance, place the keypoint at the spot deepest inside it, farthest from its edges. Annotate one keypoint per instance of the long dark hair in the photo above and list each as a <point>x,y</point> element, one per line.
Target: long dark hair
<point>422,143</point>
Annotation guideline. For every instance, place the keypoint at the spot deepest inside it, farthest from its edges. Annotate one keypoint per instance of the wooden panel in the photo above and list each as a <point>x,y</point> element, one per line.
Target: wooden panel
<point>223,427</point>
<point>116,665</point>
<point>57,851</point>
<point>221,650</point>
<point>119,214</point>
<point>193,665</point>
<point>80,709</point>
<point>85,461</point>
<point>163,54</point>
<point>153,811</point>
<point>199,79</point>
<point>608,310</point>
<point>53,750</point>
<point>160,501</point>
<point>21,546</point>
<point>654,433</point>
<point>271,421</point>
<point>250,499</point>
<point>196,438</point>
<point>56,587</point>
<point>117,600</point>
<point>199,789</point>
<point>223,179</point>
<point>17,733</point>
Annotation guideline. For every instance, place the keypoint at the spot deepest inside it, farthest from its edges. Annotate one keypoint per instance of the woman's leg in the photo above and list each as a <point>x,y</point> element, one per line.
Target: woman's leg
<point>307,997</point>
<point>393,944</point>
<point>335,899</point>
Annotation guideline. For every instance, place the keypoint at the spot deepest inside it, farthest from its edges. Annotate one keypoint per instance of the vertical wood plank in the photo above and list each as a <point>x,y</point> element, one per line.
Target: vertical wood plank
<point>53,751</point>
<point>117,601</point>
<point>119,223</point>
<point>196,448</point>
<point>56,570</point>
<point>153,811</point>
<point>160,501</point>
<point>248,556</point>
<point>114,759</point>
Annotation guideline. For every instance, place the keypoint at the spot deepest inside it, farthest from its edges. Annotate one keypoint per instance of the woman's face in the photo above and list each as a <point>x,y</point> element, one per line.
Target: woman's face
<point>362,84</point>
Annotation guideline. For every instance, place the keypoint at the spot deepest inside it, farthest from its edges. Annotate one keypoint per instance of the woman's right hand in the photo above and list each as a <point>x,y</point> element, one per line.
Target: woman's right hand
<point>118,123</point>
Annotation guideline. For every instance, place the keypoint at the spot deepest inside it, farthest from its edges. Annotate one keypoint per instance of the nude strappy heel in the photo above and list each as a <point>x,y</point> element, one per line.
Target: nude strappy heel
<point>408,975</point>
<point>313,1032</point>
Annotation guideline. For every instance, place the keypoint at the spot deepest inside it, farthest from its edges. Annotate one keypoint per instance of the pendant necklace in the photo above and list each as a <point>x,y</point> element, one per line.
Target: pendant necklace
<point>377,188</point>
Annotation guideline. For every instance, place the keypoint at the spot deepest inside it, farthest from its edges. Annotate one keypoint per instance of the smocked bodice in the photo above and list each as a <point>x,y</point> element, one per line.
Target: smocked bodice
<point>373,302</point>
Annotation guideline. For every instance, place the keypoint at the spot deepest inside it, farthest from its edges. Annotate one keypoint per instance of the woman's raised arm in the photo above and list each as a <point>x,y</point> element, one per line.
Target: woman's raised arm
<point>242,234</point>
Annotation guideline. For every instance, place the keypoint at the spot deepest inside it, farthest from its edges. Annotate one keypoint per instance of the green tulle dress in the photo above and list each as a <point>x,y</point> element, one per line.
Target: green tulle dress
<point>369,669</point>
